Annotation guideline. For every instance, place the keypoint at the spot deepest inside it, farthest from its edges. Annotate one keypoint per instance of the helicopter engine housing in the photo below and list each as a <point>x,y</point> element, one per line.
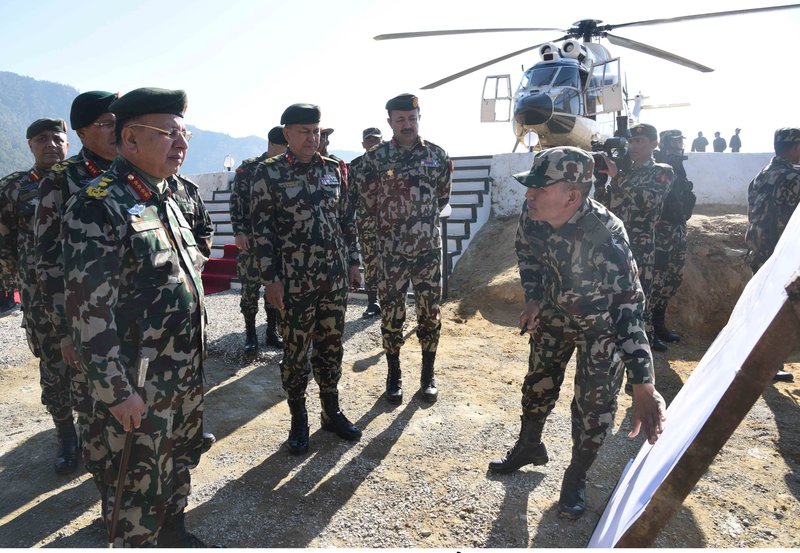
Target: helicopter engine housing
<point>573,49</point>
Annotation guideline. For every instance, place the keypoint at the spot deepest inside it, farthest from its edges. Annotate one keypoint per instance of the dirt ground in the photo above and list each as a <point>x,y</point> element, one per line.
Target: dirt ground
<point>418,477</point>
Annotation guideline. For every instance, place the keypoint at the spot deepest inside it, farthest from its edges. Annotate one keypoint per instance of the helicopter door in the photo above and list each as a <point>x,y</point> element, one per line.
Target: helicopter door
<point>603,88</point>
<point>496,101</point>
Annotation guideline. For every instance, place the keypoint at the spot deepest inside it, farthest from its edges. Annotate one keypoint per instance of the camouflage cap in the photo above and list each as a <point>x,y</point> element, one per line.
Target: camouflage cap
<point>275,136</point>
<point>301,114</point>
<point>787,134</point>
<point>564,163</point>
<point>45,124</point>
<point>670,134</point>
<point>372,131</point>
<point>403,102</point>
<point>87,107</point>
<point>643,129</point>
<point>143,101</point>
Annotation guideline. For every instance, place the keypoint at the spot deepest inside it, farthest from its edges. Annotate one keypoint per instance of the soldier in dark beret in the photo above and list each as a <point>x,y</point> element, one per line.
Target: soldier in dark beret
<point>772,198</point>
<point>246,266</point>
<point>19,196</point>
<point>404,184</point>
<point>134,304</point>
<point>305,246</point>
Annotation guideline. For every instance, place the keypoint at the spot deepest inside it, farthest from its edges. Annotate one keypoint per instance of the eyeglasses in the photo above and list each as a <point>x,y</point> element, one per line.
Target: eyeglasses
<point>172,135</point>
<point>105,125</point>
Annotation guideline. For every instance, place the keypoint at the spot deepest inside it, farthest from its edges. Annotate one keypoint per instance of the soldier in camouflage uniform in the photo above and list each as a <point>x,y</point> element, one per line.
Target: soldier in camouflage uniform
<point>305,246</point>
<point>581,291</point>
<point>404,183</point>
<point>133,292</point>
<point>636,196</point>
<point>371,137</point>
<point>772,197</point>
<point>19,195</point>
<point>671,233</point>
<point>246,268</point>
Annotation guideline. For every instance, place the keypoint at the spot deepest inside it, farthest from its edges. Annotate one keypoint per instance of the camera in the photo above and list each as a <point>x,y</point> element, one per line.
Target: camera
<point>617,149</point>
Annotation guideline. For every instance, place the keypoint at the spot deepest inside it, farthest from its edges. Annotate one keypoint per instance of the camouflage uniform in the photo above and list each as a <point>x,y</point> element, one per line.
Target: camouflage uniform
<point>19,195</point>
<point>367,247</point>
<point>305,237</point>
<point>63,181</point>
<point>187,196</point>
<point>772,198</point>
<point>403,191</point>
<point>246,267</point>
<point>671,237</point>
<point>133,291</point>
<point>585,279</point>
<point>636,196</point>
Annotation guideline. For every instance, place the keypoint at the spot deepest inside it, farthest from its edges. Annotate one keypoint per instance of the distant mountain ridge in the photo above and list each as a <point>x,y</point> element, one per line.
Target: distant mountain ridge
<point>23,100</point>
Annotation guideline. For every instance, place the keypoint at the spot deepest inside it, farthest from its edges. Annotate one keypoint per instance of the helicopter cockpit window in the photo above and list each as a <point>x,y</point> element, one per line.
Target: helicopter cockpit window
<point>567,76</point>
<point>543,76</point>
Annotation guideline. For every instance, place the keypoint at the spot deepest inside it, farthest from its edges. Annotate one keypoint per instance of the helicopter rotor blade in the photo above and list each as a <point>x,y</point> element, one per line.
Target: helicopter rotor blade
<point>657,52</point>
<point>392,36</point>
<point>700,16</point>
<point>474,68</point>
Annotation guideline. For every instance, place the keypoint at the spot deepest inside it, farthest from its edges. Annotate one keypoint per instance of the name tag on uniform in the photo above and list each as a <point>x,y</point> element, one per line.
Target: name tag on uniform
<point>290,183</point>
<point>430,162</point>
<point>329,180</point>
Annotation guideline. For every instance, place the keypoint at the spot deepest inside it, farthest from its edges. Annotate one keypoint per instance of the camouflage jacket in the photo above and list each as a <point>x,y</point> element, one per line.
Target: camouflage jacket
<point>772,198</point>
<point>187,196</point>
<point>679,202</point>
<point>636,196</point>
<point>585,270</point>
<point>19,195</point>
<point>133,285</point>
<point>303,231</point>
<point>403,191</point>
<point>240,195</point>
<point>58,185</point>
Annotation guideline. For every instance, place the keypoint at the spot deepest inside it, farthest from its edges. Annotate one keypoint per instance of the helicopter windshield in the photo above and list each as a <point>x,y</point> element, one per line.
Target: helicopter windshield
<point>551,75</point>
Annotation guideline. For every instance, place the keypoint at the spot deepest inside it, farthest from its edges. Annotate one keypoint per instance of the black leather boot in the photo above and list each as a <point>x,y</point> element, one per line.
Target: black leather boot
<point>373,307</point>
<point>250,339</point>
<point>273,338</point>
<point>333,420</point>
<point>529,449</point>
<point>655,343</point>
<point>67,455</point>
<point>394,379</point>
<point>660,327</point>
<point>298,434</point>
<point>572,501</point>
<point>208,440</point>
<point>427,383</point>
<point>174,535</point>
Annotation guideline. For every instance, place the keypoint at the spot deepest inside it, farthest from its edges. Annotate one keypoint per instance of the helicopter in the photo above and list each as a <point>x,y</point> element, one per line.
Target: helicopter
<point>574,95</point>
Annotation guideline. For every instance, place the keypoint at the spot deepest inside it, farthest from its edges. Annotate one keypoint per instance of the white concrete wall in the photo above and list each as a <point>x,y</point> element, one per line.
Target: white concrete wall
<point>718,178</point>
<point>209,182</point>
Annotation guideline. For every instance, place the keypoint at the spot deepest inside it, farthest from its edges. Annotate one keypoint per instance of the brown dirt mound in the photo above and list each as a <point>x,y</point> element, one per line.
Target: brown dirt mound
<point>487,281</point>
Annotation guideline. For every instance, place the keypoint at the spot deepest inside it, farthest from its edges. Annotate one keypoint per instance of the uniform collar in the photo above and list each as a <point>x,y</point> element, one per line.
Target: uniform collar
<point>293,161</point>
<point>89,157</point>
<point>140,181</point>
<point>419,142</point>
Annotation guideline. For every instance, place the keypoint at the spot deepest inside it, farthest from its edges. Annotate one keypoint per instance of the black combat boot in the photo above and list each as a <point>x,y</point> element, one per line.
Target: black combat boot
<point>572,501</point>
<point>273,338</point>
<point>394,379</point>
<point>655,343</point>
<point>298,434</point>
<point>529,449</point>
<point>660,327</point>
<point>7,302</point>
<point>333,420</point>
<point>174,535</point>
<point>427,383</point>
<point>67,454</point>
<point>250,339</point>
<point>208,440</point>
<point>373,307</point>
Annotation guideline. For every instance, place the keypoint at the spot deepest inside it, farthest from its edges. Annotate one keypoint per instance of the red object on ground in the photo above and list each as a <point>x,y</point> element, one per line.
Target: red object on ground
<point>219,271</point>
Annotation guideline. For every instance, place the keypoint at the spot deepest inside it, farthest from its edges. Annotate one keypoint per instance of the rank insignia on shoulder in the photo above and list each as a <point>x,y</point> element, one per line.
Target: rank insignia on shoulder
<point>96,192</point>
<point>136,210</point>
<point>390,173</point>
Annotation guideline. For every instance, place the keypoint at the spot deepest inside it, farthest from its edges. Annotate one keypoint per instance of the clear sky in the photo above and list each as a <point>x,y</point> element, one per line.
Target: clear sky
<point>243,61</point>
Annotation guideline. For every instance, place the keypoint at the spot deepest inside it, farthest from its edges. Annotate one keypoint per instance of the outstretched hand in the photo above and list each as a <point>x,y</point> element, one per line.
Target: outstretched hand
<point>648,412</point>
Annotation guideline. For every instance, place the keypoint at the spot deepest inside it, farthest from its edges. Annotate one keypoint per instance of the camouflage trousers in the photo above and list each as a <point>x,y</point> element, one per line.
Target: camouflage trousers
<point>370,259</point>
<point>54,378</point>
<point>312,319</point>
<point>165,447</point>
<point>251,286</point>
<point>90,421</point>
<point>644,252</point>
<point>424,272</point>
<point>670,259</point>
<point>598,376</point>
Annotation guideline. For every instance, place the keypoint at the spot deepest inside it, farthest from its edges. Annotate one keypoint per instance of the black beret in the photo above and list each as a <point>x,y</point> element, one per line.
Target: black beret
<point>643,129</point>
<point>45,124</point>
<point>275,136</point>
<point>301,114</point>
<point>87,107</point>
<point>404,102</point>
<point>149,100</point>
